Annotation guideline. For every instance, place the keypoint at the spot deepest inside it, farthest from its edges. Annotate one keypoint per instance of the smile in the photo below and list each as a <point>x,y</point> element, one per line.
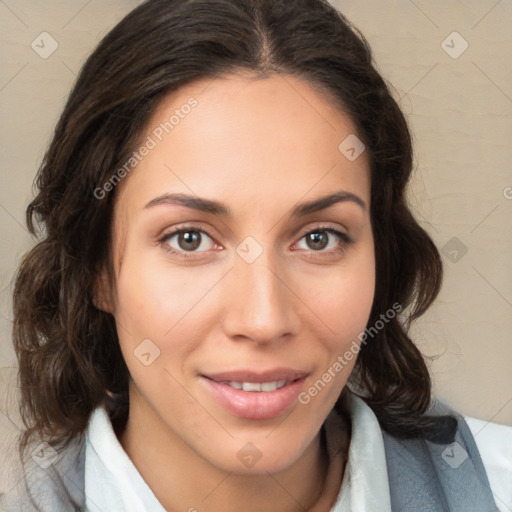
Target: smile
<point>257,386</point>
<point>255,396</point>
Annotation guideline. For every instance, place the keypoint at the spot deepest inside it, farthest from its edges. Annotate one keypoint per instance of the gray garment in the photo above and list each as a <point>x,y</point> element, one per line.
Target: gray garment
<point>429,477</point>
<point>423,477</point>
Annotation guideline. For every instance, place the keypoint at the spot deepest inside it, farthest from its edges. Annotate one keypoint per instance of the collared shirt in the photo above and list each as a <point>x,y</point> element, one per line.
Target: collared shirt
<point>113,483</point>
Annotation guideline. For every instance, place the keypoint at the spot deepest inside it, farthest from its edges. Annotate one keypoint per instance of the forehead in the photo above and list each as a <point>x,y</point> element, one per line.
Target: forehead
<point>247,139</point>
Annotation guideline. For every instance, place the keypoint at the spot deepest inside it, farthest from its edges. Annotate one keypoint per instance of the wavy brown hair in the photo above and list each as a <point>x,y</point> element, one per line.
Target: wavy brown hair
<point>68,350</point>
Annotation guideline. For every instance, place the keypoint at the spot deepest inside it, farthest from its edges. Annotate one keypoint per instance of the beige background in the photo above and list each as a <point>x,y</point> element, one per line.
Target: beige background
<point>460,110</point>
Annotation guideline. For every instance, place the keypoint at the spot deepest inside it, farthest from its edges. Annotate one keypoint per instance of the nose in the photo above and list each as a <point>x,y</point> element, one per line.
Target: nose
<point>261,305</point>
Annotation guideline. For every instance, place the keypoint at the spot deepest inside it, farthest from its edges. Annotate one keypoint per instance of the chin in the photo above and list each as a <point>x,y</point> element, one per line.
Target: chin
<point>259,455</point>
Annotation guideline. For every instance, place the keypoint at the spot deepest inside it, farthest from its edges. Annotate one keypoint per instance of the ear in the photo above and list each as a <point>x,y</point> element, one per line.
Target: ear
<point>103,292</point>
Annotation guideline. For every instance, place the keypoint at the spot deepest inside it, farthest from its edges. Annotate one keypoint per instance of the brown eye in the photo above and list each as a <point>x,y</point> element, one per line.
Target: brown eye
<point>188,240</point>
<point>317,240</point>
<point>324,240</point>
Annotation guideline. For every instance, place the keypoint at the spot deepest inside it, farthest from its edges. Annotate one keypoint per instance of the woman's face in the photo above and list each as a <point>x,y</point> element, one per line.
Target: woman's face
<point>232,329</point>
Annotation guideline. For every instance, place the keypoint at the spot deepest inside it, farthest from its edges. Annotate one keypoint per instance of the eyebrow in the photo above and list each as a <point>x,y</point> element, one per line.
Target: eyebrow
<point>217,208</point>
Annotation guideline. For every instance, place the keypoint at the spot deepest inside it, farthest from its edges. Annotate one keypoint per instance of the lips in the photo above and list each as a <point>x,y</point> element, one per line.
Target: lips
<point>255,395</point>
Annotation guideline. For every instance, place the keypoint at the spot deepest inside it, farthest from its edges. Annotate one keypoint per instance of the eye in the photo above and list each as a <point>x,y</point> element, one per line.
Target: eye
<point>325,239</point>
<point>187,240</point>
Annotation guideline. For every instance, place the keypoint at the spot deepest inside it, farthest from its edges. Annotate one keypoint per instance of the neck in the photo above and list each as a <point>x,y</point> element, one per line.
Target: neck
<point>182,480</point>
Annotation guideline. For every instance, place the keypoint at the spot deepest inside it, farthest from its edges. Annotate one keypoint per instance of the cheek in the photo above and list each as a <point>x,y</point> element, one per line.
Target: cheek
<point>344,306</point>
<point>154,297</point>
<point>165,304</point>
<point>343,299</point>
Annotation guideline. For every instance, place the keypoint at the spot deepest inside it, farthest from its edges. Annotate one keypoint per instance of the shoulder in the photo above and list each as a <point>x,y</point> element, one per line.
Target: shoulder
<point>426,473</point>
<point>494,443</point>
<point>48,480</point>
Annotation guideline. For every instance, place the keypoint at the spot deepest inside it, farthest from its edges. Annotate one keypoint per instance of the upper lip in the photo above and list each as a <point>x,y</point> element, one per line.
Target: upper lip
<point>272,375</point>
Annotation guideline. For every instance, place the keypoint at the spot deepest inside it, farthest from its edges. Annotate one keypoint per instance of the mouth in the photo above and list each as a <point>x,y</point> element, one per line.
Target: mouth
<point>256,396</point>
<point>252,387</point>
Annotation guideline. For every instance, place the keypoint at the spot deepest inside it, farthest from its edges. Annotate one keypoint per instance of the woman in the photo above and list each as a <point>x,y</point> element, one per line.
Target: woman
<point>216,316</point>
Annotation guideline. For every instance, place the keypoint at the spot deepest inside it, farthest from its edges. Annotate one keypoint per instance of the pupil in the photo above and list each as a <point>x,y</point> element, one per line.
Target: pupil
<point>191,239</point>
<point>318,240</point>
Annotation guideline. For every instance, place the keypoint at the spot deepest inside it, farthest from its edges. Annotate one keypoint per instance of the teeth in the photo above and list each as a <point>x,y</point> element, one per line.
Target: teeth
<point>268,386</point>
<point>251,386</point>
<point>257,386</point>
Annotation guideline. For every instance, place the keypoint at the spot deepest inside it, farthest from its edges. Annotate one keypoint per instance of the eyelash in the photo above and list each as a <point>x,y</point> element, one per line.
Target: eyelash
<point>345,241</point>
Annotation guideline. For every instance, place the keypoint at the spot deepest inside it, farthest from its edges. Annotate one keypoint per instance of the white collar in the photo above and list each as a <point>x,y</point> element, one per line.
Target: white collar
<point>113,483</point>
<point>365,483</point>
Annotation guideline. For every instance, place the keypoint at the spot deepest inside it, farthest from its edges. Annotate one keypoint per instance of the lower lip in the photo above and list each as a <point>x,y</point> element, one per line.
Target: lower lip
<point>255,405</point>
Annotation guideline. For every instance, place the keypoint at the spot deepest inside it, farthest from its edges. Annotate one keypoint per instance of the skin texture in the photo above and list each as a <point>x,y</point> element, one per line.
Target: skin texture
<point>260,146</point>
